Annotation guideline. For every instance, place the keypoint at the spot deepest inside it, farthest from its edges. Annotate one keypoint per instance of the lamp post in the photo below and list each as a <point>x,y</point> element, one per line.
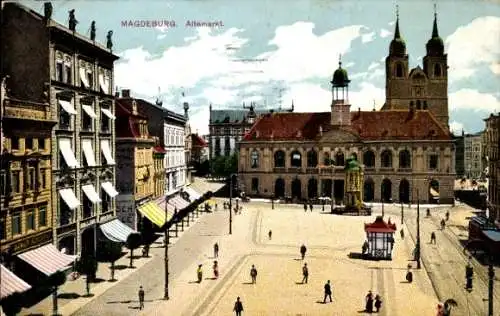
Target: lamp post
<point>231,203</point>
<point>402,213</point>
<point>167,242</point>
<point>417,246</point>
<point>272,202</point>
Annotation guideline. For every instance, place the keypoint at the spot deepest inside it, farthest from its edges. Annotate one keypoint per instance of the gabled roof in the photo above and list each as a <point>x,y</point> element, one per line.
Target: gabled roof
<point>369,125</point>
<point>126,122</point>
<point>197,141</point>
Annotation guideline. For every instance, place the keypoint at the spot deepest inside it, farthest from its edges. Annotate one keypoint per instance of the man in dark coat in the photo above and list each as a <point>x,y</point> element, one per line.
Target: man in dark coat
<point>328,292</point>
<point>303,250</point>
<point>216,250</point>
<point>253,274</point>
<point>141,297</point>
<point>238,306</point>
<point>305,273</point>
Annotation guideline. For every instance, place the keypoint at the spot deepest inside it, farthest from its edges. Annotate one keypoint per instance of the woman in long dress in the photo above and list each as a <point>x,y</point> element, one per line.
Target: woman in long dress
<point>369,302</point>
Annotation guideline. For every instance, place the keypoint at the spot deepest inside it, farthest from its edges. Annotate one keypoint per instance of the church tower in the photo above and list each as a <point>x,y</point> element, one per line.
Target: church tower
<point>436,70</point>
<point>341,115</point>
<point>396,72</point>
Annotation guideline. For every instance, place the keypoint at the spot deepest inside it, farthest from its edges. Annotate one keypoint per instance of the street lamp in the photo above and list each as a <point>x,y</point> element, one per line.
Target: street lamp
<point>417,246</point>
<point>402,213</point>
<point>167,242</point>
<point>272,202</point>
<point>231,202</point>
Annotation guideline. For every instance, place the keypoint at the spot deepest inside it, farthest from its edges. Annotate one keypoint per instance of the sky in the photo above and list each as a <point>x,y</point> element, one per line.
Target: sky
<point>273,52</point>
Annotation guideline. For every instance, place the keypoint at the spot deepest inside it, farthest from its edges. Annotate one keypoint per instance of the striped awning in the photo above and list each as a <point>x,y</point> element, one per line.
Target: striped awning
<point>47,259</point>
<point>178,202</point>
<point>154,213</point>
<point>11,283</point>
<point>170,208</point>
<point>193,195</point>
<point>434,193</point>
<point>116,231</point>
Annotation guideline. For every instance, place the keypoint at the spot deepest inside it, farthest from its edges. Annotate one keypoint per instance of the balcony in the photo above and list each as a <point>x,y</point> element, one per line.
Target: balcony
<point>279,169</point>
<point>295,169</point>
<point>313,170</point>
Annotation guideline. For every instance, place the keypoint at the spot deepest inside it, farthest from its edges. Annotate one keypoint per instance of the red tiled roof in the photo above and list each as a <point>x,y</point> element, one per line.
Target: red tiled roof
<point>159,149</point>
<point>197,141</point>
<point>369,125</point>
<point>380,226</point>
<point>126,122</point>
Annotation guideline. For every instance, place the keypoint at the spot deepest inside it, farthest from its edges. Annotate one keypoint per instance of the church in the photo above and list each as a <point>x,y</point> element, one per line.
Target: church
<point>406,147</point>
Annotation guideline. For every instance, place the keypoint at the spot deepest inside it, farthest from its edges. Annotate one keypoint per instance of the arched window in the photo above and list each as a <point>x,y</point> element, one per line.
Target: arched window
<point>312,159</point>
<point>404,159</point>
<point>386,159</point>
<point>399,70</point>
<point>279,159</point>
<point>355,156</point>
<point>419,106</point>
<point>296,159</point>
<point>412,104</point>
<point>326,159</point>
<point>369,159</point>
<point>254,159</point>
<point>339,159</point>
<point>437,70</point>
<point>425,105</point>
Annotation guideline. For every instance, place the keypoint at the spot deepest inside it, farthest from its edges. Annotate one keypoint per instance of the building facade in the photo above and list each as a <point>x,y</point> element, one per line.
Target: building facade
<point>460,154</point>
<point>199,152</point>
<point>25,175</point>
<point>228,127</point>
<point>408,154</point>
<point>73,74</point>
<point>492,144</point>
<point>474,163</point>
<point>136,172</point>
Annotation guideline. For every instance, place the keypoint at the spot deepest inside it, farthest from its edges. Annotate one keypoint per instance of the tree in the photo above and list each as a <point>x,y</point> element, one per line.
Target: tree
<point>134,240</point>
<point>87,265</point>
<point>112,252</point>
<point>231,165</point>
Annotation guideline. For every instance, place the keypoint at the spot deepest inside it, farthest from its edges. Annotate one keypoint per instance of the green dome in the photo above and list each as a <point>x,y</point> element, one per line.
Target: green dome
<point>340,77</point>
<point>352,165</point>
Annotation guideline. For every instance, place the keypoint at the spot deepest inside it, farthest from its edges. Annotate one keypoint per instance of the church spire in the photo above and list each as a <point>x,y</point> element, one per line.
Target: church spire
<point>397,34</point>
<point>435,26</point>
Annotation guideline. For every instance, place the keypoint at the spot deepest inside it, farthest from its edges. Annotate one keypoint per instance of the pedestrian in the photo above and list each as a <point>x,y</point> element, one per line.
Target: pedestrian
<point>447,215</point>
<point>216,207</point>
<point>443,224</point>
<point>409,274</point>
<point>216,269</point>
<point>238,306</point>
<point>270,234</point>
<point>369,302</point>
<point>305,207</point>
<point>303,250</point>
<point>433,238</point>
<point>216,250</point>
<point>141,297</point>
<point>402,232</point>
<point>378,303</point>
<point>310,206</point>
<point>364,248</point>
<point>305,273</point>
<point>253,274</point>
<point>199,272</point>
<point>328,292</point>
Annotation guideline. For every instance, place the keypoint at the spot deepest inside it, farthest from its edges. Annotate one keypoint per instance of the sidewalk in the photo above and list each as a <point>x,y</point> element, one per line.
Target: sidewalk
<point>71,294</point>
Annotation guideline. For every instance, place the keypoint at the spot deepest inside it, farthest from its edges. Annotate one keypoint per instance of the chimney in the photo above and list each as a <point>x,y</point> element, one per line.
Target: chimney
<point>117,94</point>
<point>125,93</point>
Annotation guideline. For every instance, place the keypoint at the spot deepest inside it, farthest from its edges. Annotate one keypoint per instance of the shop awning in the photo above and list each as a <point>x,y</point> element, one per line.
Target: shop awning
<point>109,188</point>
<point>90,192</point>
<point>106,150</point>
<point>108,113</point>
<point>70,198</point>
<point>434,193</point>
<point>67,106</point>
<point>193,194</point>
<point>11,283</point>
<point>83,77</point>
<point>178,202</point>
<point>154,213</point>
<point>170,208</point>
<point>89,110</point>
<point>67,152</point>
<point>88,152</point>
<point>116,231</point>
<point>47,259</point>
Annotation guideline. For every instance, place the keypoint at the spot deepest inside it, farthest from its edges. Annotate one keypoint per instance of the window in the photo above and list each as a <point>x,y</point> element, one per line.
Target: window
<point>68,73</point>
<point>326,159</point>
<point>419,106</point>
<point>62,162</point>
<point>437,70</point>
<point>386,159</point>
<point>404,159</point>
<point>3,182</point>
<point>296,159</point>
<point>339,159</point>
<point>254,157</point>
<point>105,124</point>
<point>433,162</point>
<point>369,159</point>
<point>227,147</point>
<point>14,143</point>
<point>86,121</point>
<point>65,213</point>
<point>88,207</point>
<point>30,181</point>
<point>64,119</point>
<point>28,143</point>
<point>411,105</point>
<point>42,216</point>
<point>255,184</point>
<point>59,71</point>
<point>3,230</point>
<point>399,70</point>
<point>41,144</point>
<point>30,220</point>
<point>90,78</point>
<point>425,105</point>
<point>279,159</point>
<point>312,159</point>
<point>16,224</point>
<point>217,146</point>
<point>14,181</point>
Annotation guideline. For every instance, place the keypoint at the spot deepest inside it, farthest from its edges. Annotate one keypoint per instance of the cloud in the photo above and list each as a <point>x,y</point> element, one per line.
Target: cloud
<point>369,75</point>
<point>384,33</point>
<point>365,97</point>
<point>369,37</point>
<point>495,68</point>
<point>456,127</point>
<point>161,36</point>
<point>391,23</point>
<point>466,50</point>
<point>474,100</point>
<point>373,65</point>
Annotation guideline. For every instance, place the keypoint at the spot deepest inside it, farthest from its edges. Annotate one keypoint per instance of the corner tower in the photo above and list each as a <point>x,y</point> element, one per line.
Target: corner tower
<point>436,69</point>
<point>396,72</point>
<point>341,115</point>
